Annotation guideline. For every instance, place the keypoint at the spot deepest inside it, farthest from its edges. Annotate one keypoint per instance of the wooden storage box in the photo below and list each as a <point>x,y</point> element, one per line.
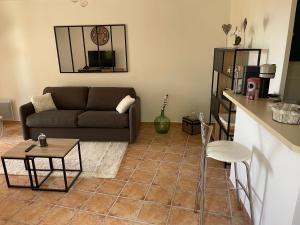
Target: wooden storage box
<point>191,125</point>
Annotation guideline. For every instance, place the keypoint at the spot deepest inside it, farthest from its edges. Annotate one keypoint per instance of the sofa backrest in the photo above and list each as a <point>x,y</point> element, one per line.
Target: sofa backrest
<point>107,98</point>
<point>69,97</point>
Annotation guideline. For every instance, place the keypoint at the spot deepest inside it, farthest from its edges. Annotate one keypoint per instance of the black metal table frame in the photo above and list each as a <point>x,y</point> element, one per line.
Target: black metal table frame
<point>36,185</point>
<point>64,170</point>
<point>26,164</point>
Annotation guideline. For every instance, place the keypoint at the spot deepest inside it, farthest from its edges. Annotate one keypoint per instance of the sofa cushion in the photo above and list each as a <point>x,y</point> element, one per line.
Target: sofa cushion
<point>103,119</point>
<point>55,118</point>
<point>69,97</point>
<point>107,98</point>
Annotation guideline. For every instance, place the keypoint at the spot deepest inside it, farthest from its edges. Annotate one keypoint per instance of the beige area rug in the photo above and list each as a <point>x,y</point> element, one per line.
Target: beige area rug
<point>99,159</point>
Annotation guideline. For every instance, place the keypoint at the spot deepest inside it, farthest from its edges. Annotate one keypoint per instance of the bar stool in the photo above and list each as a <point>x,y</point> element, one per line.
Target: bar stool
<point>225,151</point>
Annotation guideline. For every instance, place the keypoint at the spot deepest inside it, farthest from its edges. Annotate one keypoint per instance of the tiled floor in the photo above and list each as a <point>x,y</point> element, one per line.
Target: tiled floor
<point>155,185</point>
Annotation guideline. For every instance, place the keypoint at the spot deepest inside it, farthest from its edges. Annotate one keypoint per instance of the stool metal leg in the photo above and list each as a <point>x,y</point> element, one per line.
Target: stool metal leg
<point>203,191</point>
<point>249,192</point>
<point>237,185</point>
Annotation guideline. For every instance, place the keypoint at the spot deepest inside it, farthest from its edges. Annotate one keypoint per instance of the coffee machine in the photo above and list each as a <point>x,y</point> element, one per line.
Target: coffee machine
<point>267,72</point>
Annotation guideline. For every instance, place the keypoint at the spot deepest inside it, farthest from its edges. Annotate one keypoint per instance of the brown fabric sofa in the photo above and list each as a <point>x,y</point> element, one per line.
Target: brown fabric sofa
<point>87,113</point>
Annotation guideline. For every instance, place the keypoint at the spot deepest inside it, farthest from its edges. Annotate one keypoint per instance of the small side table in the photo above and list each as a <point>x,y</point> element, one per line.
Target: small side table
<point>191,125</point>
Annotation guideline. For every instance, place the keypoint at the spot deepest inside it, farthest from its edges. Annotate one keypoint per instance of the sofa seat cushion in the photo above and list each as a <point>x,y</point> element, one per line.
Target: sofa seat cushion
<point>103,119</point>
<point>55,118</point>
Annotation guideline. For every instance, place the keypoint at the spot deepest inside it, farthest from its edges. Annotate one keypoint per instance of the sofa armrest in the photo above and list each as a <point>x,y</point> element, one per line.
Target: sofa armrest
<point>135,119</point>
<point>25,111</point>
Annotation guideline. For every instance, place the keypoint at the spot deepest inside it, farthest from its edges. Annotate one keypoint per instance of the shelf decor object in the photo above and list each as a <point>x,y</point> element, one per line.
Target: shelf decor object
<point>230,66</point>
<point>226,28</point>
<point>245,23</point>
<point>162,122</point>
<point>99,35</point>
<point>286,113</point>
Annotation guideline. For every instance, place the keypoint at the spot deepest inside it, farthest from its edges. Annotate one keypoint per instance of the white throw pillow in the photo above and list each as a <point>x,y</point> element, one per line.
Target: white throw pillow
<point>43,103</point>
<point>124,104</point>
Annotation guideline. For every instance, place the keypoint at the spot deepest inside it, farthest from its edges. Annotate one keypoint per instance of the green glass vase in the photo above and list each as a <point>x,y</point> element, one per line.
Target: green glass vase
<point>162,123</point>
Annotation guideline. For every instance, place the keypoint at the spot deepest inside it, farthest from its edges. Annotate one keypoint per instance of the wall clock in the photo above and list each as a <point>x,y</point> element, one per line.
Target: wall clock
<point>99,35</point>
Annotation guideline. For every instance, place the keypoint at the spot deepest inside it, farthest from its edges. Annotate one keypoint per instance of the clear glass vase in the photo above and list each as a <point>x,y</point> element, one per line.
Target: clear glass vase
<point>162,123</point>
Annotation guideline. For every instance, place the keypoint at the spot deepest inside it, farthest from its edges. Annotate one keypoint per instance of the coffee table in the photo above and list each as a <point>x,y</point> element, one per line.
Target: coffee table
<point>57,149</point>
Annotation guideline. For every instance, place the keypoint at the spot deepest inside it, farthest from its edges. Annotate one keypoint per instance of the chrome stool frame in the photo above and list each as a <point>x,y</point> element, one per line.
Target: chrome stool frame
<point>206,132</point>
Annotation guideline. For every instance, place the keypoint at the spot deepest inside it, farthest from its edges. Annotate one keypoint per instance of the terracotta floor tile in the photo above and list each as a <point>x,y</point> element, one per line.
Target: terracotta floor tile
<point>85,218</point>
<point>154,214</point>
<point>142,176</point>
<point>5,191</point>
<point>10,207</point>
<point>10,222</point>
<point>237,210</point>
<point>166,181</point>
<point>135,191</point>
<point>126,208</point>
<point>160,195</point>
<point>24,194</point>
<point>130,163</point>
<point>124,174</point>
<point>216,172</point>
<point>170,157</point>
<point>244,220</point>
<point>3,222</point>
<point>169,168</point>
<point>99,203</point>
<point>32,213</point>
<point>187,184</point>
<point>74,199</point>
<point>183,217</point>
<point>213,182</point>
<point>148,165</point>
<point>211,219</point>
<point>154,155</point>
<point>217,201</point>
<point>58,216</point>
<point>176,149</point>
<point>112,187</point>
<point>191,159</point>
<point>49,197</point>
<point>157,148</point>
<point>88,184</point>
<point>184,199</point>
<point>114,221</point>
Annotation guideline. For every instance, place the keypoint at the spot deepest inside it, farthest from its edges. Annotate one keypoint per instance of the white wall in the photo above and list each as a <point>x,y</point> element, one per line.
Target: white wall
<point>268,28</point>
<point>292,90</point>
<point>170,49</point>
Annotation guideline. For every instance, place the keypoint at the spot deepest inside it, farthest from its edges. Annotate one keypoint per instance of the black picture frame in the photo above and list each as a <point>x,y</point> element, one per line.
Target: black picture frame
<point>114,70</point>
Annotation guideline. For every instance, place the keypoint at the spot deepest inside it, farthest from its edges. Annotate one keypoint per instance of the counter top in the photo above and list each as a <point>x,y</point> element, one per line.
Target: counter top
<point>260,110</point>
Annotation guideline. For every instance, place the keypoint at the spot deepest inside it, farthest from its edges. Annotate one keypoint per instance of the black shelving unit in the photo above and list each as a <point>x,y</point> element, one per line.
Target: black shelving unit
<point>226,61</point>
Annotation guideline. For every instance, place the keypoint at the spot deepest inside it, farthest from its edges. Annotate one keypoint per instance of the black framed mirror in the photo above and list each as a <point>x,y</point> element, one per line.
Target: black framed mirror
<point>91,48</point>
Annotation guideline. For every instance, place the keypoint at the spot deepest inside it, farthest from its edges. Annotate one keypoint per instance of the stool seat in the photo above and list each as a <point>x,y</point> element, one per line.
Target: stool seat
<point>228,151</point>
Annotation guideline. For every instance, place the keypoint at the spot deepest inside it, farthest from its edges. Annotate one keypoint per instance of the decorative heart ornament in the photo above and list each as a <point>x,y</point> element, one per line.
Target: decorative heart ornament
<point>226,28</point>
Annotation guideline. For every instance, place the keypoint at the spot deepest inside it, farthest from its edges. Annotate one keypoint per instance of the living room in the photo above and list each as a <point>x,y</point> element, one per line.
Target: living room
<point>140,118</point>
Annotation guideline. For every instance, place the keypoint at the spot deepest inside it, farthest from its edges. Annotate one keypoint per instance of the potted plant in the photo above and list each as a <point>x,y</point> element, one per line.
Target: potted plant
<point>162,122</point>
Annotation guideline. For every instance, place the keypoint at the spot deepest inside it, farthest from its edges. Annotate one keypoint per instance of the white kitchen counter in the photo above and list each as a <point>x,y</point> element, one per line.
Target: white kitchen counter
<point>275,163</point>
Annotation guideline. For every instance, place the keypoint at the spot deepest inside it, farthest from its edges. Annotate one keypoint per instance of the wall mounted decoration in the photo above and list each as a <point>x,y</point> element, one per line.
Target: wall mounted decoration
<point>226,28</point>
<point>245,22</point>
<point>91,48</point>
<point>100,35</point>
<point>83,3</point>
